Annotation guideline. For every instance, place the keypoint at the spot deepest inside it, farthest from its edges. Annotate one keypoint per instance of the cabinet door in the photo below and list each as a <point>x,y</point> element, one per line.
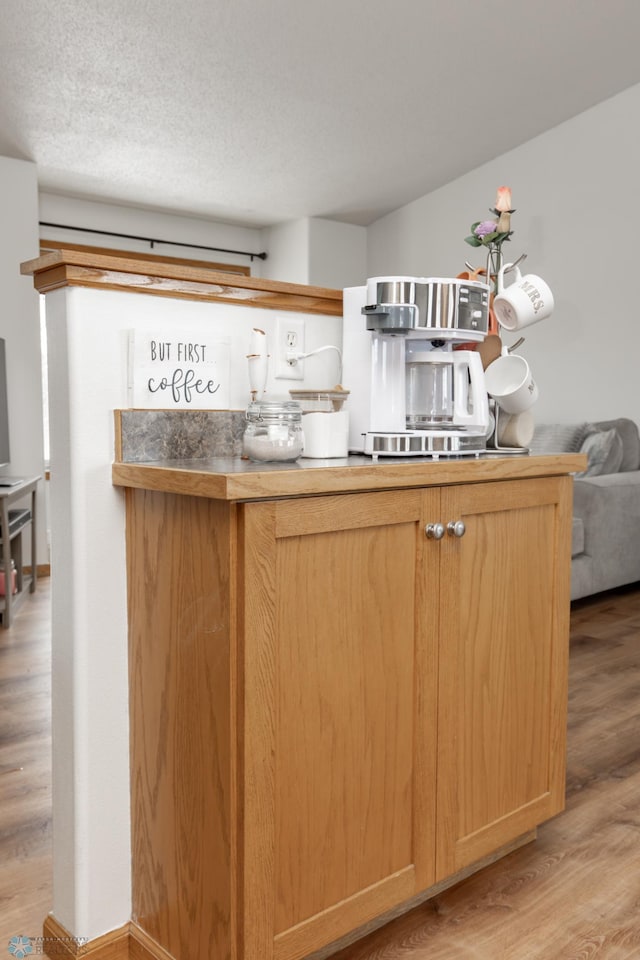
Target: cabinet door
<point>340,618</point>
<point>503,665</point>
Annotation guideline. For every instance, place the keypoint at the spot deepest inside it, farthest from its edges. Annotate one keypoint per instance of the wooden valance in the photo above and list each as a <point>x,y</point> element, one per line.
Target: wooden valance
<point>62,268</point>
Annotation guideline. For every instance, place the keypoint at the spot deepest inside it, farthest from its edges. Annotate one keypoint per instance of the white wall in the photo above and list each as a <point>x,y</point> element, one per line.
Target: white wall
<point>88,380</point>
<point>137,221</point>
<point>578,219</point>
<point>315,251</point>
<point>288,246</point>
<point>337,254</point>
<point>20,327</point>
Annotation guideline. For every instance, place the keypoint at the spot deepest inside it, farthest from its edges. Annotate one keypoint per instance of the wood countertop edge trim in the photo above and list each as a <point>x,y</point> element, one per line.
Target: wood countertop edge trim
<point>58,261</point>
<point>170,480</point>
<point>318,481</point>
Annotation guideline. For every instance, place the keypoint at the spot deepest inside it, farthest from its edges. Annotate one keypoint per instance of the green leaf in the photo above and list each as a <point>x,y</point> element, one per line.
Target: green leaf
<point>473,241</point>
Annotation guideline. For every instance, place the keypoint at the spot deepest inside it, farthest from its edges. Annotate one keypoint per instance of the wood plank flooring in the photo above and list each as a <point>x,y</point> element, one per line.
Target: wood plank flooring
<point>574,894</point>
<point>25,769</point>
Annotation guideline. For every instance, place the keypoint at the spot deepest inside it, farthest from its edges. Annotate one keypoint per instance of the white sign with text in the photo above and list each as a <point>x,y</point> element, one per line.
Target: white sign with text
<point>188,372</point>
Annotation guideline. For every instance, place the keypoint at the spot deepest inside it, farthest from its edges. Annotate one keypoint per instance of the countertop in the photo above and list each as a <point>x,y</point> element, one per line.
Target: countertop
<point>238,479</point>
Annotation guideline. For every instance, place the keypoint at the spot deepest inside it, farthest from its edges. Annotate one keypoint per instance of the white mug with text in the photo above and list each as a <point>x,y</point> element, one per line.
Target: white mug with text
<point>525,301</point>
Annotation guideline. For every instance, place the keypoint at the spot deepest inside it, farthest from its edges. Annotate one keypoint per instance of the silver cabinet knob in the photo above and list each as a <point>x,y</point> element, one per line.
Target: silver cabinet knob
<point>456,528</point>
<point>434,531</point>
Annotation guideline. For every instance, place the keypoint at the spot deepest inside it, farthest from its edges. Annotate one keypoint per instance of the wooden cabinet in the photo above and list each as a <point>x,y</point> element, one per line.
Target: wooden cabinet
<point>340,714</point>
<point>502,666</point>
<point>331,712</point>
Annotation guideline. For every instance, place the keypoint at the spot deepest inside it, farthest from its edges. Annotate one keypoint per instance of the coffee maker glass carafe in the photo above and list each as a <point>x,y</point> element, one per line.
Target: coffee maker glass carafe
<point>429,389</point>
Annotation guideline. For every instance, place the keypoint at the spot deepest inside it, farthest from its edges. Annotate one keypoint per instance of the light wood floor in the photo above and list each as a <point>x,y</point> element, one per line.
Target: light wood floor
<point>574,894</point>
<point>25,769</point>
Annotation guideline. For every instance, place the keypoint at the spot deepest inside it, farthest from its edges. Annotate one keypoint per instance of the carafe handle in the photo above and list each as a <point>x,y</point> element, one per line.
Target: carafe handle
<point>478,415</point>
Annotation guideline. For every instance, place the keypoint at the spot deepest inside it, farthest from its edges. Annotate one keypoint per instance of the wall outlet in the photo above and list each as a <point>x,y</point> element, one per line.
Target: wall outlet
<point>289,339</point>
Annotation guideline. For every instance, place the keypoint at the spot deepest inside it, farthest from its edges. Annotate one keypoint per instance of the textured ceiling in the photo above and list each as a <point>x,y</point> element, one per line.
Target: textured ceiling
<point>259,111</point>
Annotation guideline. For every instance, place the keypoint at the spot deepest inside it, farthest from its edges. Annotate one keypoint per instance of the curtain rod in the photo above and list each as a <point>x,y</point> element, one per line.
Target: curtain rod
<point>152,241</point>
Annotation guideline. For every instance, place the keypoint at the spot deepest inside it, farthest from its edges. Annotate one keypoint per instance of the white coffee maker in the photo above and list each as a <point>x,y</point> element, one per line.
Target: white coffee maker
<point>412,392</point>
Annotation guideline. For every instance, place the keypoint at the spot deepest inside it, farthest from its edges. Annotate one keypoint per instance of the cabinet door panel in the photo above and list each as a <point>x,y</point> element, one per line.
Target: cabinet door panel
<point>503,665</point>
<point>353,810</point>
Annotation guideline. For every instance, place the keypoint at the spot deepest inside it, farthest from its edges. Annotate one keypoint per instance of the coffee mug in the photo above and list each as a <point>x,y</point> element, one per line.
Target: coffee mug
<point>508,380</point>
<point>525,301</point>
<point>516,429</point>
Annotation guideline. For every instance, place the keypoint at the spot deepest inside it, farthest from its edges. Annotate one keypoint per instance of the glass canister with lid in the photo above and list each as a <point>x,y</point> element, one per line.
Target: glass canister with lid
<point>273,431</point>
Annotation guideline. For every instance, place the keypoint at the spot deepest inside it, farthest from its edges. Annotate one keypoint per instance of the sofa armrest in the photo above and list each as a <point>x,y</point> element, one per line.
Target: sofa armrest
<point>609,507</point>
<point>590,504</point>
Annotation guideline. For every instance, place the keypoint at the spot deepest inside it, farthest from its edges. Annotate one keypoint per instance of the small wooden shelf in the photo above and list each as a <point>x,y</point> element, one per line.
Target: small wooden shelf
<point>16,521</point>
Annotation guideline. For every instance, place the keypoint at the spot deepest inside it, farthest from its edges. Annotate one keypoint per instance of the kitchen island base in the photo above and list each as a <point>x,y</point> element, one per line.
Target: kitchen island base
<point>333,715</point>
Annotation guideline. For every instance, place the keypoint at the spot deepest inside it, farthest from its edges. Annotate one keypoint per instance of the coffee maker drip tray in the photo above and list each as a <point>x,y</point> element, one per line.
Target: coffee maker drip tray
<point>423,444</point>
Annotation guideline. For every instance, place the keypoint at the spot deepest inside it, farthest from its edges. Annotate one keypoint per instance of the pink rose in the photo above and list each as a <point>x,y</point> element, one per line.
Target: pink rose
<point>503,199</point>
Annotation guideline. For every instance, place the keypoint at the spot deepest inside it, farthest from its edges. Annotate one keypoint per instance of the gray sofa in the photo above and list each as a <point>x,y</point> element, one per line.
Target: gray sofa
<point>606,501</point>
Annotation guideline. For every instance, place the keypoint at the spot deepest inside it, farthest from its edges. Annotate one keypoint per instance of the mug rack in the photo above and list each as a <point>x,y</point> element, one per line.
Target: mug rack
<point>494,265</point>
<point>493,443</point>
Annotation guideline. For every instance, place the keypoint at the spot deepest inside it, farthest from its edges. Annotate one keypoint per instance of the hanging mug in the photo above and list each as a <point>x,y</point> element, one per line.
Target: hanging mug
<point>510,382</point>
<point>525,301</point>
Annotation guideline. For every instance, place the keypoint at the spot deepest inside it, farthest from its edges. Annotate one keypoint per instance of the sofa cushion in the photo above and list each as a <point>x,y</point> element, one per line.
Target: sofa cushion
<point>603,448</point>
<point>569,437</point>
<point>616,455</point>
<point>559,437</point>
<point>628,432</point>
<point>610,508</point>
